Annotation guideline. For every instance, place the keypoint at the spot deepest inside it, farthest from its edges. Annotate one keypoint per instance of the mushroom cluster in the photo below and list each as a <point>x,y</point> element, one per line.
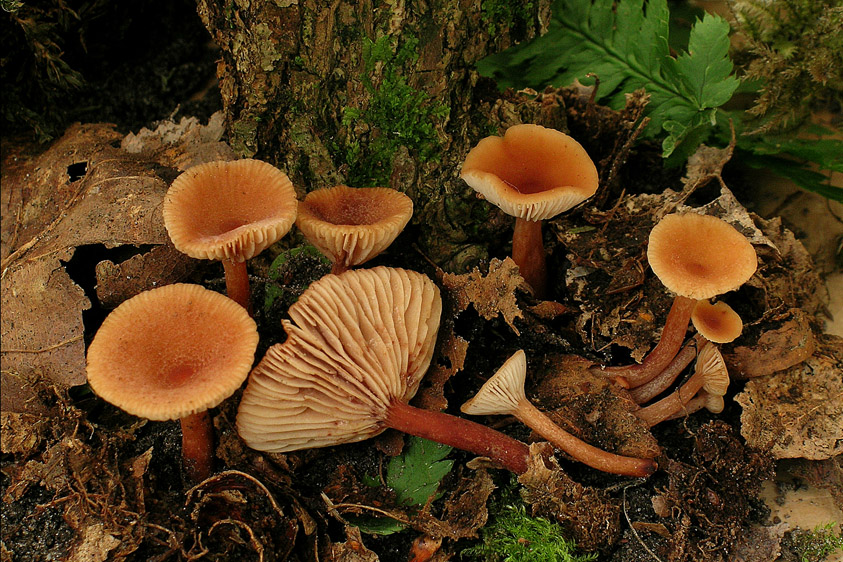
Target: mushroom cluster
<point>697,257</point>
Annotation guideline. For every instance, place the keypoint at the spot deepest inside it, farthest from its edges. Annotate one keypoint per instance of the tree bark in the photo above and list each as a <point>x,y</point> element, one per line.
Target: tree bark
<point>377,93</point>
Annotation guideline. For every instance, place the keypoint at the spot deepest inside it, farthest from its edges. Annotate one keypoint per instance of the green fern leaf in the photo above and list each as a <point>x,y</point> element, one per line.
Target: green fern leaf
<point>625,44</point>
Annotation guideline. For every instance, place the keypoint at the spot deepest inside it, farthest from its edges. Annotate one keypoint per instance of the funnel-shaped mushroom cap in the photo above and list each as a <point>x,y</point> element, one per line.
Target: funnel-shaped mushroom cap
<point>716,322</point>
<point>532,172</point>
<point>353,225</point>
<point>700,256</point>
<point>502,393</point>
<point>711,365</point>
<point>357,342</point>
<point>229,210</point>
<point>172,351</point>
<point>714,403</point>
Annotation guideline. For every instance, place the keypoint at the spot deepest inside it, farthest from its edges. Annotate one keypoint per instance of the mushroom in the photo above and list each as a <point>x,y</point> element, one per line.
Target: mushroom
<point>532,173</point>
<point>353,225</point>
<point>696,257</point>
<point>357,347</point>
<point>230,211</point>
<point>717,322</point>
<point>710,374</point>
<point>173,353</point>
<point>503,394</point>
<point>711,402</point>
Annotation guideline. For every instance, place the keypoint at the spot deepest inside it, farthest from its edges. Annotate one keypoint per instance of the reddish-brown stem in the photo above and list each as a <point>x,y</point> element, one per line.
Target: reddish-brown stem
<point>670,341</point>
<point>237,283</point>
<point>197,445</point>
<point>460,433</point>
<point>695,404</point>
<point>580,450</point>
<point>663,380</point>
<point>674,402</point>
<point>339,267</point>
<point>528,254</point>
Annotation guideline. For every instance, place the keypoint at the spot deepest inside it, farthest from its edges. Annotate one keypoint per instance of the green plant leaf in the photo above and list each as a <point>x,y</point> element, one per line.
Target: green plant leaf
<point>625,44</point>
<point>415,474</point>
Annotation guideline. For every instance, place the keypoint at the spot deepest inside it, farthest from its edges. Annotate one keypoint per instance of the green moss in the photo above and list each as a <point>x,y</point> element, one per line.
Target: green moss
<point>501,14</point>
<point>513,536</point>
<point>817,545</point>
<point>396,115</point>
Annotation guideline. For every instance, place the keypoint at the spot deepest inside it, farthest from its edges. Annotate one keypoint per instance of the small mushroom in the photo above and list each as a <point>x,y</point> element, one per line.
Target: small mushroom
<point>503,394</point>
<point>353,225</point>
<point>710,374</point>
<point>696,257</point>
<point>711,402</point>
<point>532,173</point>
<point>357,347</point>
<point>173,353</point>
<point>230,211</point>
<point>717,322</point>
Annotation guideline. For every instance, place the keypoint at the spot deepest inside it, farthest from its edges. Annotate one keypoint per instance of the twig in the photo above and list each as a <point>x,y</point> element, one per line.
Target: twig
<point>634,532</point>
<point>44,349</point>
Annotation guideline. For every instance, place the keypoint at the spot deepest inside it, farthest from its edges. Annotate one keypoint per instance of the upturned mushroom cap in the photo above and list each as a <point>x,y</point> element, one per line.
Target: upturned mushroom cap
<point>356,342</point>
<point>716,322</point>
<point>711,365</point>
<point>229,210</point>
<point>172,351</point>
<point>353,225</point>
<point>532,172</point>
<point>504,390</point>
<point>700,256</point>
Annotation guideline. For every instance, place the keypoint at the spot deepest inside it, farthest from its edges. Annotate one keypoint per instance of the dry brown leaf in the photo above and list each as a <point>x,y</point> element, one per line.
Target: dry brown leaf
<point>161,265</point>
<point>760,544</point>
<point>452,360</point>
<point>94,545</point>
<point>777,349</point>
<point>21,434</point>
<point>492,295</point>
<point>84,190</point>
<point>798,412</point>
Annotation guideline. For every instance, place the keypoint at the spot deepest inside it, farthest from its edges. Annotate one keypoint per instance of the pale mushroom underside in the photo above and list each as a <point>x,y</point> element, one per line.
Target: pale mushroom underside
<point>356,342</point>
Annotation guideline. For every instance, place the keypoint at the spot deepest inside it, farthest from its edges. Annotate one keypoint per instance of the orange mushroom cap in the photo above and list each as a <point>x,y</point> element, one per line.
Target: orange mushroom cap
<point>716,322</point>
<point>356,343</point>
<point>700,256</point>
<point>353,225</point>
<point>171,352</point>
<point>229,210</point>
<point>532,172</point>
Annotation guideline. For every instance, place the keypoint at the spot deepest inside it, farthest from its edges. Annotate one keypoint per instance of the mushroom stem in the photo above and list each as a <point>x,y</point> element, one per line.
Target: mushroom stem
<point>528,253</point>
<point>460,433</point>
<point>237,283</point>
<point>663,380</point>
<point>673,334</point>
<point>578,449</point>
<point>197,442</point>
<point>339,267</point>
<point>674,402</point>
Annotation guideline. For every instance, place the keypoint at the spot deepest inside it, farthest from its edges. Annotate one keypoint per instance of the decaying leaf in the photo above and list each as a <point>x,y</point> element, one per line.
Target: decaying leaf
<point>85,190</point>
<point>589,515</point>
<point>451,360</point>
<point>21,434</point>
<point>492,295</point>
<point>591,408</point>
<point>798,412</point>
<point>777,349</point>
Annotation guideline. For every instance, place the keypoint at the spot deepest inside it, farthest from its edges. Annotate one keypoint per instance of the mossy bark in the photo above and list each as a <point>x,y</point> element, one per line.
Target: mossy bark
<point>375,93</point>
